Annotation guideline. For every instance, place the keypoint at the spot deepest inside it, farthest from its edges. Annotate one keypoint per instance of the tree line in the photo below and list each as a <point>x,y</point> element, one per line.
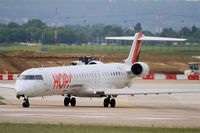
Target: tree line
<point>36,31</point>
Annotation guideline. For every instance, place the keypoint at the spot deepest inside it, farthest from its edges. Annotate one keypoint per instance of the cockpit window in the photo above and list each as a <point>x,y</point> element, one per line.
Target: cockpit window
<point>39,77</point>
<point>31,77</point>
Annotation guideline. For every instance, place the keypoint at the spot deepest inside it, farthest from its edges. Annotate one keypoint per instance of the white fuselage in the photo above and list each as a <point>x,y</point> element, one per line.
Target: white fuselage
<point>83,80</point>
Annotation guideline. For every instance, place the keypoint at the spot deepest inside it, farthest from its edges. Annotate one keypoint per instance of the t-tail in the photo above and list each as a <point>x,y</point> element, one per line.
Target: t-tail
<point>137,42</point>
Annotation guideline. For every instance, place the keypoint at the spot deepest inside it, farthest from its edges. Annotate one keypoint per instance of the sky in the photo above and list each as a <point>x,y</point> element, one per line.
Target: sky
<point>152,14</point>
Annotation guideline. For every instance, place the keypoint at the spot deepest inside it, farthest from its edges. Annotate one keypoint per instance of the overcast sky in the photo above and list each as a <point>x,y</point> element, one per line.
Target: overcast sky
<point>151,13</point>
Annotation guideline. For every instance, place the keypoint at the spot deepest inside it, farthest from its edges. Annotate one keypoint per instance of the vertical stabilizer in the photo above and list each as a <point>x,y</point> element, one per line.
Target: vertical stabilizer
<point>135,49</point>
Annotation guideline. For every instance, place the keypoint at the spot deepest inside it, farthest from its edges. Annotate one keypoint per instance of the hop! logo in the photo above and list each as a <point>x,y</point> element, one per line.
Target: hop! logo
<point>61,80</point>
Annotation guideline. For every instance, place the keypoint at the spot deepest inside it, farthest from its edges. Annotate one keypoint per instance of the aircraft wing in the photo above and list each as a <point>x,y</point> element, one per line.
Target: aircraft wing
<point>9,86</point>
<point>145,91</point>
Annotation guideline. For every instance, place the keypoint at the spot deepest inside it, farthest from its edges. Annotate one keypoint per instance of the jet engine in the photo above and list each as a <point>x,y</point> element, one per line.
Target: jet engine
<point>140,69</point>
<point>95,62</point>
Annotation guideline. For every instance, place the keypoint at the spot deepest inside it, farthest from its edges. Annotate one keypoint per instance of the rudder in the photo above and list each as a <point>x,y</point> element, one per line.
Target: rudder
<point>135,50</point>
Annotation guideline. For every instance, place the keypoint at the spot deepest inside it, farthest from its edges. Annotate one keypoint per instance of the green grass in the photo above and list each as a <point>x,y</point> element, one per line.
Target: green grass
<point>14,48</point>
<point>50,128</point>
<point>1,98</point>
<point>125,49</point>
<point>164,49</point>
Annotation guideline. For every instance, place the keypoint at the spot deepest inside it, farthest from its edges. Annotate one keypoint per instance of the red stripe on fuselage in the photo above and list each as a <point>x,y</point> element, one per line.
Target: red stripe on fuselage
<point>137,47</point>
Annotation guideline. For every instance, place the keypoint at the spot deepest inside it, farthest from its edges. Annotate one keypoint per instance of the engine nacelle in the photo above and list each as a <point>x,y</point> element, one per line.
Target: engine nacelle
<point>140,69</point>
<point>95,62</point>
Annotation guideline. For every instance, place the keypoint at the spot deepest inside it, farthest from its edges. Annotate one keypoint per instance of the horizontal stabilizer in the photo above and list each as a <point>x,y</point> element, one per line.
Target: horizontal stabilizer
<point>149,38</point>
<point>130,38</point>
<point>145,38</point>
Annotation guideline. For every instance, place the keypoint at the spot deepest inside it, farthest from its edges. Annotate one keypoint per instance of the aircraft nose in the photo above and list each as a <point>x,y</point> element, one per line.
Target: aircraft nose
<point>19,88</point>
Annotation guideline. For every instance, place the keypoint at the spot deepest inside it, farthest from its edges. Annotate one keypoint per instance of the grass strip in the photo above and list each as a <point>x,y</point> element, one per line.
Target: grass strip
<point>53,128</point>
<point>1,98</point>
<point>2,103</point>
<point>178,49</point>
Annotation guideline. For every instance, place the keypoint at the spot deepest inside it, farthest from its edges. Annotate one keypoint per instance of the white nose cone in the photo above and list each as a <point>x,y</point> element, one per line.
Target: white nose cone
<point>19,87</point>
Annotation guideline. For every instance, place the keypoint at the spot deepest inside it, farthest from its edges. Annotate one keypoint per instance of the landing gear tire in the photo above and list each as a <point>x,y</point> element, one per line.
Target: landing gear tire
<point>112,103</point>
<point>73,101</point>
<point>26,103</point>
<point>66,101</point>
<point>106,102</point>
<point>70,100</point>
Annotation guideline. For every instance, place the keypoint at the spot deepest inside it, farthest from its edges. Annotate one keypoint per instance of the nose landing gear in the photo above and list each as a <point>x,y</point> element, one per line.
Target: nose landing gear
<point>26,102</point>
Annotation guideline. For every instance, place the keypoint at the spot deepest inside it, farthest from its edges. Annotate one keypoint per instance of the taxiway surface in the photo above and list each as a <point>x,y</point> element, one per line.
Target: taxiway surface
<point>176,110</point>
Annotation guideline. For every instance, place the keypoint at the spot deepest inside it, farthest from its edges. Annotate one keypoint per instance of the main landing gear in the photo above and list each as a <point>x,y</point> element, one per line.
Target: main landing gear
<point>70,100</point>
<point>110,101</point>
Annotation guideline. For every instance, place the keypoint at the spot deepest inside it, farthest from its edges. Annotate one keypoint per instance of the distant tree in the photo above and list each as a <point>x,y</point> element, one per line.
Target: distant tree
<point>112,30</point>
<point>194,29</point>
<point>12,25</point>
<point>48,36</point>
<point>35,23</point>
<point>66,36</point>
<point>35,30</point>
<point>169,32</point>
<point>138,27</point>
<point>128,32</point>
<point>82,37</point>
<point>185,32</point>
<point>194,36</point>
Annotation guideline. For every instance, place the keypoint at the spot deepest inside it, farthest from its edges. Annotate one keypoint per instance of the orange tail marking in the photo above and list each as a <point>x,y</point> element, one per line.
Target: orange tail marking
<point>137,47</point>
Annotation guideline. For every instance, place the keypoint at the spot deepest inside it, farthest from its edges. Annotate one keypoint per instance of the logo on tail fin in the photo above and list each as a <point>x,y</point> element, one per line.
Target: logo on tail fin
<point>136,51</point>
